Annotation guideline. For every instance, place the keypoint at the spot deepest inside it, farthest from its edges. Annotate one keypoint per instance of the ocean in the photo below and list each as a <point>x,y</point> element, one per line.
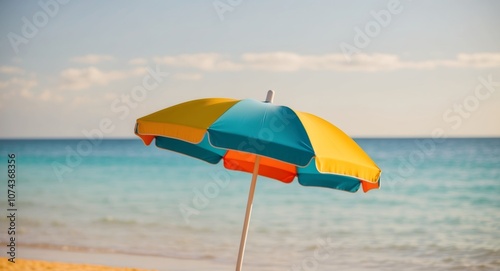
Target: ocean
<point>438,207</point>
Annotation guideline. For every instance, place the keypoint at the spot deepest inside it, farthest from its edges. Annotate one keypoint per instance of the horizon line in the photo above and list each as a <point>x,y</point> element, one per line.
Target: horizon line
<point>353,137</point>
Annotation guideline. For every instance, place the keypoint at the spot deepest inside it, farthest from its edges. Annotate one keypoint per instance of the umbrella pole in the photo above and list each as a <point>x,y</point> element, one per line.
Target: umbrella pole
<point>244,232</point>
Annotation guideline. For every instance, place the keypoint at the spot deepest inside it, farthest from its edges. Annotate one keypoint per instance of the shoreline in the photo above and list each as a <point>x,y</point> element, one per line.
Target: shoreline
<point>52,259</point>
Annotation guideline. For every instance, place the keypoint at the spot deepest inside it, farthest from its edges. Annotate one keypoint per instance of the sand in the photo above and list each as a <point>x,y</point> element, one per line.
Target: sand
<point>31,265</point>
<point>30,258</point>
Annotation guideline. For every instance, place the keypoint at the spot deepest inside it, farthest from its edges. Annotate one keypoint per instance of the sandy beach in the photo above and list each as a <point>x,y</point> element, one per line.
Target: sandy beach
<point>52,259</point>
<point>28,265</point>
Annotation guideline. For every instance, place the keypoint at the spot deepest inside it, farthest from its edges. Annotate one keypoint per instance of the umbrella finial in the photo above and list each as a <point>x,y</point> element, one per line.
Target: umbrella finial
<point>270,96</point>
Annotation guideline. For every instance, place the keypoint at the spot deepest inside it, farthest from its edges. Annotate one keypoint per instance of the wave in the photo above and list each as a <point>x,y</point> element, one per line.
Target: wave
<point>203,255</point>
<point>111,220</point>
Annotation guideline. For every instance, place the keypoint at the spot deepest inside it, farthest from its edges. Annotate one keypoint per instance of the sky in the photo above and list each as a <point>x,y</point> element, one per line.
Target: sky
<point>388,68</point>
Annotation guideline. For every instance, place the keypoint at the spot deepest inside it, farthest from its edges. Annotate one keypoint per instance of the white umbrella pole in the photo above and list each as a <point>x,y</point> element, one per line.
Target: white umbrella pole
<point>244,233</point>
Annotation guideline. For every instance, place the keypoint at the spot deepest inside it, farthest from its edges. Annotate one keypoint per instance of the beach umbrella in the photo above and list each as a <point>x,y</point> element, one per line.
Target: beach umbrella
<point>264,139</point>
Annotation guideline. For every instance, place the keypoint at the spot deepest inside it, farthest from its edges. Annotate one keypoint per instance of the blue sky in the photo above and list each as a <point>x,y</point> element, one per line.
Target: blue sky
<point>411,68</point>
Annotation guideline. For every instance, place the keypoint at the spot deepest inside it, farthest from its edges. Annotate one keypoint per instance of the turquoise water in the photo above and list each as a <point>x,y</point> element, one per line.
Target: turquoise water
<point>438,208</point>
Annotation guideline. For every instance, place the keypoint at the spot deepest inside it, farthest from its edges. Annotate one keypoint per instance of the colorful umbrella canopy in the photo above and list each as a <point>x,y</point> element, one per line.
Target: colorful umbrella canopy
<point>264,139</point>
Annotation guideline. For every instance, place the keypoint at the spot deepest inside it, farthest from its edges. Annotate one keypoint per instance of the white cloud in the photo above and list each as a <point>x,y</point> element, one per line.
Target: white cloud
<point>474,61</point>
<point>138,71</point>
<point>290,62</point>
<point>478,60</point>
<point>23,87</point>
<point>274,61</point>
<point>282,62</point>
<point>11,70</point>
<point>18,84</point>
<point>92,59</point>
<point>187,76</point>
<point>139,61</point>
<point>48,95</point>
<point>27,87</point>
<point>16,87</point>
<point>206,62</point>
<point>27,94</point>
<point>75,78</point>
